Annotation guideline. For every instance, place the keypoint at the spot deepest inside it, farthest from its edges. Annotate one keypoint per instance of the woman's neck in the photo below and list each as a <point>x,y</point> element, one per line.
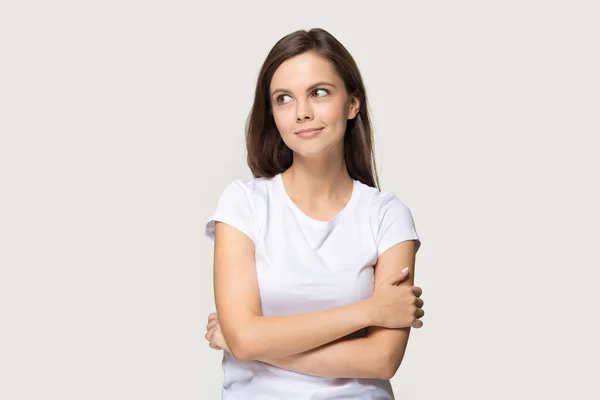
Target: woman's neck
<point>317,181</point>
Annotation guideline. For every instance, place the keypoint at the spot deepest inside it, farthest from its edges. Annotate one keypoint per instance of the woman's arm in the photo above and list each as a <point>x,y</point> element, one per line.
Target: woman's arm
<point>379,354</point>
<point>352,358</point>
<point>250,335</point>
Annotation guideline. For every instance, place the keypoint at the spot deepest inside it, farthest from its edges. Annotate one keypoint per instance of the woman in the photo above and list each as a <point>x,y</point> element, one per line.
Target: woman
<point>313,264</point>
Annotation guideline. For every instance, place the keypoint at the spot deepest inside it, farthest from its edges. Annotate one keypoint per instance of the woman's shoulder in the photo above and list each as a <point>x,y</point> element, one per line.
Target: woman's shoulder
<point>252,189</point>
<point>252,194</point>
<point>240,206</point>
<point>391,217</point>
<point>378,201</point>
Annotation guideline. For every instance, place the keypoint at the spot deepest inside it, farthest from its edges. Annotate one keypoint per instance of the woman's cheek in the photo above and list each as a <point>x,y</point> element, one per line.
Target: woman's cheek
<point>330,112</point>
<point>281,121</point>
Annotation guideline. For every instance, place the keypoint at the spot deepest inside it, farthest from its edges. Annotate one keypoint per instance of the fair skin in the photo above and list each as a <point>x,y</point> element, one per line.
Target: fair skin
<point>316,343</point>
<point>377,355</point>
<point>318,180</point>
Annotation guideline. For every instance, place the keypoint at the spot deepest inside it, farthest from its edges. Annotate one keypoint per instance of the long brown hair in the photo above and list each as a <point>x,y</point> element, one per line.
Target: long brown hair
<point>267,154</point>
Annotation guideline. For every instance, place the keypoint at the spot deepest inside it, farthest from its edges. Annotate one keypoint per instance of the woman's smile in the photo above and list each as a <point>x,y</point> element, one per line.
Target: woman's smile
<point>308,133</point>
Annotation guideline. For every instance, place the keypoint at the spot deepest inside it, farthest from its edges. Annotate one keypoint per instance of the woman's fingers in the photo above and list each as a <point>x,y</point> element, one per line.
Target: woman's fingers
<point>213,334</point>
<point>211,324</point>
<point>396,278</point>
<point>419,313</point>
<point>212,321</point>
<point>419,302</point>
<point>213,340</point>
<point>417,323</point>
<point>210,336</point>
<point>219,340</point>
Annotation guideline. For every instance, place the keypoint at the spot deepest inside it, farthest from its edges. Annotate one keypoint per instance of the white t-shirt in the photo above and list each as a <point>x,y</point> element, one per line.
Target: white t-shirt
<point>305,265</point>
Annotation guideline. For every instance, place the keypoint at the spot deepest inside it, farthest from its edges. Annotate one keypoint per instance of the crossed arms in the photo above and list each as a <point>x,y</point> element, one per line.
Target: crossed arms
<point>315,343</point>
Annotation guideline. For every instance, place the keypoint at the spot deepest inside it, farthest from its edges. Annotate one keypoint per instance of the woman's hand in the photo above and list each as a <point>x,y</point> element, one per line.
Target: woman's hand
<point>214,335</point>
<point>397,306</point>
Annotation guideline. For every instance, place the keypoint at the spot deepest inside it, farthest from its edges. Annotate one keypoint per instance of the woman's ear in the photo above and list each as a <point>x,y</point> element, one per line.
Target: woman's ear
<point>354,107</point>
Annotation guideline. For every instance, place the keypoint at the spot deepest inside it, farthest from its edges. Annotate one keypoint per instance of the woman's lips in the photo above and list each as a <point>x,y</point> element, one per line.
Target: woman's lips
<point>309,134</point>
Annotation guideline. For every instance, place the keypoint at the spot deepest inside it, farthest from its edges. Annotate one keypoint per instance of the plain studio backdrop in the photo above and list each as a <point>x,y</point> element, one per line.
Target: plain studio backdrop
<point>122,121</point>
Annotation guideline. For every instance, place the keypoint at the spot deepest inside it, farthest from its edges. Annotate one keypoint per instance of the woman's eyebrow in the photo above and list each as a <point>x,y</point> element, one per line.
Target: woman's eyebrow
<point>311,87</point>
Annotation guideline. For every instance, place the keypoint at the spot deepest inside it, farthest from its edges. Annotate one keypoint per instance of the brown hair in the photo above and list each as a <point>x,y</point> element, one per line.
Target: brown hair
<point>267,154</point>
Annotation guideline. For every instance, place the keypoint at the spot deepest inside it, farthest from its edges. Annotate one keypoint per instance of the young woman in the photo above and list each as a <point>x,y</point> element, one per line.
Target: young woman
<point>313,264</point>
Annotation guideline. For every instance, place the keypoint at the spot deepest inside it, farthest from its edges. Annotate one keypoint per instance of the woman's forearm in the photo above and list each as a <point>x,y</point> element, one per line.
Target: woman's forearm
<point>266,337</point>
<point>352,358</point>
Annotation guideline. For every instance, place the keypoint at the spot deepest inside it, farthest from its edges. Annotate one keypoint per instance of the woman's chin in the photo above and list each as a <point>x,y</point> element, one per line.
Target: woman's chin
<point>313,152</point>
<point>317,147</point>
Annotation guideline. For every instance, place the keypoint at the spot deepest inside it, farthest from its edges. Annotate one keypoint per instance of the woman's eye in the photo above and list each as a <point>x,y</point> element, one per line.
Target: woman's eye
<point>280,98</point>
<point>321,90</point>
<point>324,92</point>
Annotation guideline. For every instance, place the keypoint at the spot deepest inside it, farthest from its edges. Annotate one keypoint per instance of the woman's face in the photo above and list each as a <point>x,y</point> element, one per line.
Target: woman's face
<point>307,93</point>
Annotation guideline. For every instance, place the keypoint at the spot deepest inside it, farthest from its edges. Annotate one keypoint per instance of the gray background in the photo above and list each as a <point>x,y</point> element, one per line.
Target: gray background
<point>122,121</point>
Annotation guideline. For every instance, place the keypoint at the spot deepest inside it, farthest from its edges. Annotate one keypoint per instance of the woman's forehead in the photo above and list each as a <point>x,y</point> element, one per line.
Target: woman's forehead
<point>303,71</point>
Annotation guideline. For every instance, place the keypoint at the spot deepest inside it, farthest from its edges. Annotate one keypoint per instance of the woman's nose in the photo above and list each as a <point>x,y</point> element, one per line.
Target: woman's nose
<point>303,111</point>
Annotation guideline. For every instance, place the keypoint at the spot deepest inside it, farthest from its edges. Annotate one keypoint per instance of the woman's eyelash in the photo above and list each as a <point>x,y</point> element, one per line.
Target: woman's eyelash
<point>280,97</point>
<point>323,89</point>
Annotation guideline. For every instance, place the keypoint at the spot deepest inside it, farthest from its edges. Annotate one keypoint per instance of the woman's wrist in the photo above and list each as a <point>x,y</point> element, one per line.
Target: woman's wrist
<point>369,313</point>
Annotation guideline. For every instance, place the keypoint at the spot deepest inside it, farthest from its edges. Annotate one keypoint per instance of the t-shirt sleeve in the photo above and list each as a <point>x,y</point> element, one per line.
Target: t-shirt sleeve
<point>396,225</point>
<point>233,208</point>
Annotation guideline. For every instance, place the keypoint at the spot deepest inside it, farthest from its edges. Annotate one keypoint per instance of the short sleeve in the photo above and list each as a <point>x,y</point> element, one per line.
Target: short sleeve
<point>396,225</point>
<point>233,208</point>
